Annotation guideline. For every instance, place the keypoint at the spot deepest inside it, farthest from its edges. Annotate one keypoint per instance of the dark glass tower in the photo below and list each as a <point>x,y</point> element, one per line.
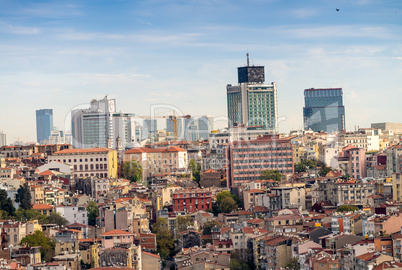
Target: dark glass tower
<point>323,110</point>
<point>44,124</point>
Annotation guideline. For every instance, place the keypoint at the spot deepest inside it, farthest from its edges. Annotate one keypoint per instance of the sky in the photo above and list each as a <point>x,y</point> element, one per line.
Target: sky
<point>183,53</point>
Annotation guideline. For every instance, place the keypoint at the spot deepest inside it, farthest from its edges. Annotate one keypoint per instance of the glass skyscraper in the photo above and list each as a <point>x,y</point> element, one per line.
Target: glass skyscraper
<point>101,125</point>
<point>252,102</point>
<point>324,110</point>
<point>44,124</point>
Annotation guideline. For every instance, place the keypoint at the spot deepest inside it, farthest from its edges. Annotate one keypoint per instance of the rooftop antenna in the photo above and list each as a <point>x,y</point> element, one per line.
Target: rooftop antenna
<point>248,60</point>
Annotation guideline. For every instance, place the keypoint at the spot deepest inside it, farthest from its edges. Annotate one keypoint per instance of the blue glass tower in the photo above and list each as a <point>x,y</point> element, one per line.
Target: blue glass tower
<point>323,110</point>
<point>44,124</point>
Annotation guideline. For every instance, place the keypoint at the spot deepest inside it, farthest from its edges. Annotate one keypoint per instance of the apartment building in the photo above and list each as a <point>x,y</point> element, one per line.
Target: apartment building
<point>190,200</point>
<point>100,162</point>
<point>248,159</point>
<point>158,160</point>
<point>338,191</point>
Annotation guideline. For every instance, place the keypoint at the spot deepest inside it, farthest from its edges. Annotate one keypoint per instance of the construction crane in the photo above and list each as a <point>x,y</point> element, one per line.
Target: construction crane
<point>172,117</point>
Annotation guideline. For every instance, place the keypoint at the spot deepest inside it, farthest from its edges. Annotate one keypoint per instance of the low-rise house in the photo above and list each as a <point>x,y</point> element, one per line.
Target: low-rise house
<point>43,209</point>
<point>369,260</point>
<point>73,213</point>
<point>72,261</point>
<point>26,255</point>
<point>150,261</point>
<point>147,241</point>
<point>113,237</point>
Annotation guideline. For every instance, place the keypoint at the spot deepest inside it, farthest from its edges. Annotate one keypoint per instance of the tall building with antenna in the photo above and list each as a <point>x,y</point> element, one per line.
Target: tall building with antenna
<point>252,102</point>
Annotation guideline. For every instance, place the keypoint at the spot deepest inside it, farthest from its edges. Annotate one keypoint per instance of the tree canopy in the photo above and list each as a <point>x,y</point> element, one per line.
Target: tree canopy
<point>271,174</point>
<point>93,213</point>
<point>6,204</point>
<point>164,238</point>
<point>132,170</point>
<point>347,208</point>
<point>225,203</point>
<point>23,197</point>
<point>195,168</point>
<point>46,244</point>
<point>183,222</point>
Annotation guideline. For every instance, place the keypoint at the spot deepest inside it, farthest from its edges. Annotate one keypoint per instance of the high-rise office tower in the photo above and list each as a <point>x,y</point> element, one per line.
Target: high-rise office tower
<point>44,124</point>
<point>190,128</point>
<point>323,110</point>
<point>101,125</point>
<point>252,102</point>
<point>3,139</point>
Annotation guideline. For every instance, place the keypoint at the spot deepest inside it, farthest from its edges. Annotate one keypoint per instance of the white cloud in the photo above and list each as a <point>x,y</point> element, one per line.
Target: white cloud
<point>19,30</point>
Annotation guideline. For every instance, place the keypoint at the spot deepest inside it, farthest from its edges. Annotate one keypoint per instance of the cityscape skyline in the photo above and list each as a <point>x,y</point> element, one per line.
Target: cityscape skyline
<point>62,55</point>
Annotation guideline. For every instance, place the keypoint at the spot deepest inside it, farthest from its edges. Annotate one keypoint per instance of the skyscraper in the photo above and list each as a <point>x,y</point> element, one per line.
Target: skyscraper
<point>3,139</point>
<point>101,125</point>
<point>323,110</point>
<point>44,124</point>
<point>252,102</point>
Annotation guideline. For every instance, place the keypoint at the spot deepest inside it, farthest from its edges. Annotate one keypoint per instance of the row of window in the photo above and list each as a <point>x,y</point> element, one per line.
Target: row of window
<point>91,167</point>
<point>258,148</point>
<point>273,160</point>
<point>81,160</point>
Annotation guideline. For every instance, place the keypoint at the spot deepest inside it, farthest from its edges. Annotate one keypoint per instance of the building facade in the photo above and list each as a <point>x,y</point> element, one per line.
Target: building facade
<point>161,160</point>
<point>323,110</point>
<point>100,162</point>
<point>190,200</point>
<point>44,124</point>
<point>101,125</point>
<point>252,102</point>
<point>248,159</point>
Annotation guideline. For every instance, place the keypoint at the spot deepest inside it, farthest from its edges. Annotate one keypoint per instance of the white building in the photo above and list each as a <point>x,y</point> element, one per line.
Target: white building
<point>56,166</point>
<point>3,139</point>
<point>236,134</point>
<point>73,213</point>
<point>57,137</point>
<point>101,125</point>
<point>100,162</point>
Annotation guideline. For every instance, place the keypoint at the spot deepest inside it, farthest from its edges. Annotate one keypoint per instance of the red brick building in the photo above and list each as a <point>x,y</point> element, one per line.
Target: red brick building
<point>191,200</point>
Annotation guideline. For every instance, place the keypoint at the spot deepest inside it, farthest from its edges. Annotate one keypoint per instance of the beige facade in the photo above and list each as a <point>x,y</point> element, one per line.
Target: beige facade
<point>100,162</point>
<point>156,161</point>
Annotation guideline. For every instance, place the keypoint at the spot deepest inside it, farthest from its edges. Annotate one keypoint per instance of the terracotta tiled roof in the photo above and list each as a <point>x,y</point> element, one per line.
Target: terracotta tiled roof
<point>151,254</point>
<point>46,173</point>
<point>116,232</point>
<point>155,150</point>
<point>82,151</point>
<point>42,206</point>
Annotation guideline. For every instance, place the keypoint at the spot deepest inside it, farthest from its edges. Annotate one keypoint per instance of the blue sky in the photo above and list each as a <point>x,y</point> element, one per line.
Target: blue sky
<point>61,54</point>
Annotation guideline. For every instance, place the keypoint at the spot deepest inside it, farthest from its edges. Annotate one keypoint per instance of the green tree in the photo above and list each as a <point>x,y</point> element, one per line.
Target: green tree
<point>46,244</point>
<point>271,174</point>
<point>324,171</point>
<point>207,228</point>
<point>23,215</point>
<point>6,204</point>
<point>195,168</point>
<point>300,167</point>
<point>293,264</point>
<point>164,238</point>
<point>132,170</point>
<point>93,213</point>
<point>56,218</point>
<point>225,203</point>
<point>347,208</point>
<point>23,197</point>
<point>307,164</point>
<point>183,222</point>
